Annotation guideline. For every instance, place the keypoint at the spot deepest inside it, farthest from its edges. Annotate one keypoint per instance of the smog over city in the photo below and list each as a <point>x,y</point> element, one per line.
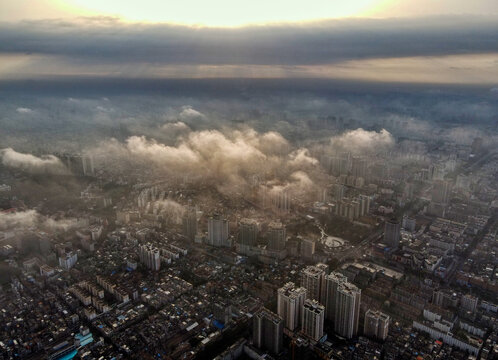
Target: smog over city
<point>248,179</point>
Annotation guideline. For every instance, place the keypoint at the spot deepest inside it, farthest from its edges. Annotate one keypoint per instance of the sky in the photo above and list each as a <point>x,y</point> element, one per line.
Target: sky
<point>239,12</point>
<point>404,41</point>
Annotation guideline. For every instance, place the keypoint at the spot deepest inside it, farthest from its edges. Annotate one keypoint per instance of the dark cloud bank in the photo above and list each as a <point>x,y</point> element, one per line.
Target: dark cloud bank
<point>106,40</point>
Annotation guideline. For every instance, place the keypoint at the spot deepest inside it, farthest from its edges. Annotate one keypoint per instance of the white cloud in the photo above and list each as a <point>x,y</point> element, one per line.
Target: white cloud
<point>175,127</point>
<point>227,159</point>
<point>33,164</point>
<point>31,219</point>
<point>363,141</point>
<point>171,210</point>
<point>301,157</point>
<point>189,113</point>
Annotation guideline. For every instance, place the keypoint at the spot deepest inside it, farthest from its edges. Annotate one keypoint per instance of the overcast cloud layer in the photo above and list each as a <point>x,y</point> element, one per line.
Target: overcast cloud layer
<point>108,41</point>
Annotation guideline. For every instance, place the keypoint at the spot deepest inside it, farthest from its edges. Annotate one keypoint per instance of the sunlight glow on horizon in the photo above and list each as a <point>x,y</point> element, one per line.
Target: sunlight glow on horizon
<point>450,69</point>
<point>237,13</point>
<point>221,13</point>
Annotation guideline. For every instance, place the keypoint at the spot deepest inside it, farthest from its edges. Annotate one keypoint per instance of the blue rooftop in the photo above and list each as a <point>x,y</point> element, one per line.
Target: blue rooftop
<point>69,356</point>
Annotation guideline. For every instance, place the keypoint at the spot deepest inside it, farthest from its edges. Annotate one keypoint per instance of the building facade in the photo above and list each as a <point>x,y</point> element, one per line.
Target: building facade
<point>248,232</point>
<point>313,280</point>
<point>189,223</point>
<point>290,305</point>
<point>313,319</point>
<point>218,231</point>
<point>332,283</point>
<point>392,233</point>
<point>376,324</point>
<point>150,256</point>
<point>347,310</point>
<point>276,236</point>
<point>268,332</point>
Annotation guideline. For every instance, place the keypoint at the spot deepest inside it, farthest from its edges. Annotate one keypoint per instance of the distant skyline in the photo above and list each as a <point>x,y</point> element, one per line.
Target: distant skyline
<point>407,41</point>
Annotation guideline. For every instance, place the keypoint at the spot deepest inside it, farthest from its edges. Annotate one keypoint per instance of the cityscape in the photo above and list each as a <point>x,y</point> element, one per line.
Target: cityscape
<point>249,184</point>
